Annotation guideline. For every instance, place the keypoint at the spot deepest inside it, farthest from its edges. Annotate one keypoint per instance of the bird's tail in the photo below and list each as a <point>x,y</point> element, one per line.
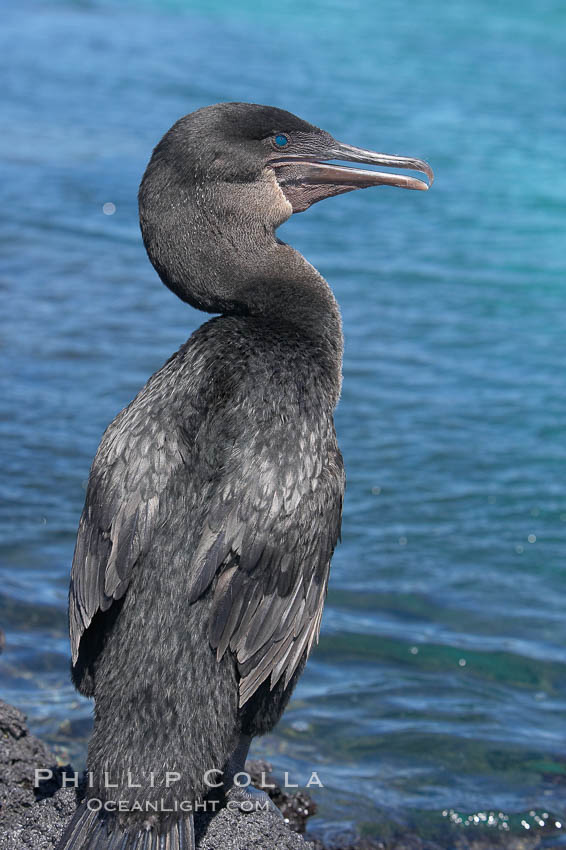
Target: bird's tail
<point>89,830</point>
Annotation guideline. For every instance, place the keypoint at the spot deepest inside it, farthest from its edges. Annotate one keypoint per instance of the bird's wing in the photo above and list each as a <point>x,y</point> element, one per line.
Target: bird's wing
<point>269,537</point>
<point>126,488</point>
<point>272,521</point>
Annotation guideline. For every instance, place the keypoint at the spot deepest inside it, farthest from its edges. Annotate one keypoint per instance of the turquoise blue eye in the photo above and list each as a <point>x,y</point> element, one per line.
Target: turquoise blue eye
<point>281,140</point>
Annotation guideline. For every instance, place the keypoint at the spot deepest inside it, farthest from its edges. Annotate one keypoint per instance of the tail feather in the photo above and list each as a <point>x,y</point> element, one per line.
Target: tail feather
<point>89,831</point>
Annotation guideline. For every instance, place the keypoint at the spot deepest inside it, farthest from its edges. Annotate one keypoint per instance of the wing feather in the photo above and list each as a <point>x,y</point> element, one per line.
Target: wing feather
<point>273,511</point>
<point>280,528</point>
<point>124,502</point>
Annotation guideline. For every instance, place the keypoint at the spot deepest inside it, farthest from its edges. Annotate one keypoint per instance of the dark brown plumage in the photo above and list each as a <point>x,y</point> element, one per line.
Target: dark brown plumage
<point>214,501</point>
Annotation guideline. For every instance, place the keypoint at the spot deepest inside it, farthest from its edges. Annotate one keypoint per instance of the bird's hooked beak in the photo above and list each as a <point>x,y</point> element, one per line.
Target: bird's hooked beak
<point>304,181</point>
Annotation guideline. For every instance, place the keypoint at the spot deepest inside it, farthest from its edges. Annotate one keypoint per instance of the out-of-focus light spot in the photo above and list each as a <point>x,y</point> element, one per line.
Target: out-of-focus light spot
<point>414,650</point>
<point>519,549</point>
<point>462,662</point>
<point>532,538</point>
<point>109,208</point>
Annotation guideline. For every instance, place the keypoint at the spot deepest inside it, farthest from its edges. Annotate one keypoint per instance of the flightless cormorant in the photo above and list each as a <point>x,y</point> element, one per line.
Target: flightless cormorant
<point>214,500</point>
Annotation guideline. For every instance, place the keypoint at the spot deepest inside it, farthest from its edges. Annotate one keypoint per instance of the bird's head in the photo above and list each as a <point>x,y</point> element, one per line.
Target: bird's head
<point>229,174</point>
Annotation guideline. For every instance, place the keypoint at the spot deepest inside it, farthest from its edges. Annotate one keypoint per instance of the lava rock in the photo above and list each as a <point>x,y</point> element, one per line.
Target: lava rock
<point>296,807</point>
<point>34,818</point>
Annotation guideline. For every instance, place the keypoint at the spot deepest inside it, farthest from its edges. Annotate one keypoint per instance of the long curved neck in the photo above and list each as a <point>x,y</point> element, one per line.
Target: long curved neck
<point>222,258</point>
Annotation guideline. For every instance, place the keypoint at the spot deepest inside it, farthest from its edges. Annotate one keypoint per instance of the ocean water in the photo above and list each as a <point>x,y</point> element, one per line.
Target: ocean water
<point>438,691</point>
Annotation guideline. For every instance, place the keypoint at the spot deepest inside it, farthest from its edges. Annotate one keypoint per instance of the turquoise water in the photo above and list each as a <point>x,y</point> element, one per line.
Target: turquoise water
<point>438,691</point>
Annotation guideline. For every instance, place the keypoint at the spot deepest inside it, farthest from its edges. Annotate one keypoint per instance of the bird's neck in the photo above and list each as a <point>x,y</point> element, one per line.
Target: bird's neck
<point>236,266</point>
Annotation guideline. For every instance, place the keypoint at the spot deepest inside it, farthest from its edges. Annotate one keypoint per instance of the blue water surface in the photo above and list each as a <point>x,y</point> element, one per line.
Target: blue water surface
<point>438,690</point>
